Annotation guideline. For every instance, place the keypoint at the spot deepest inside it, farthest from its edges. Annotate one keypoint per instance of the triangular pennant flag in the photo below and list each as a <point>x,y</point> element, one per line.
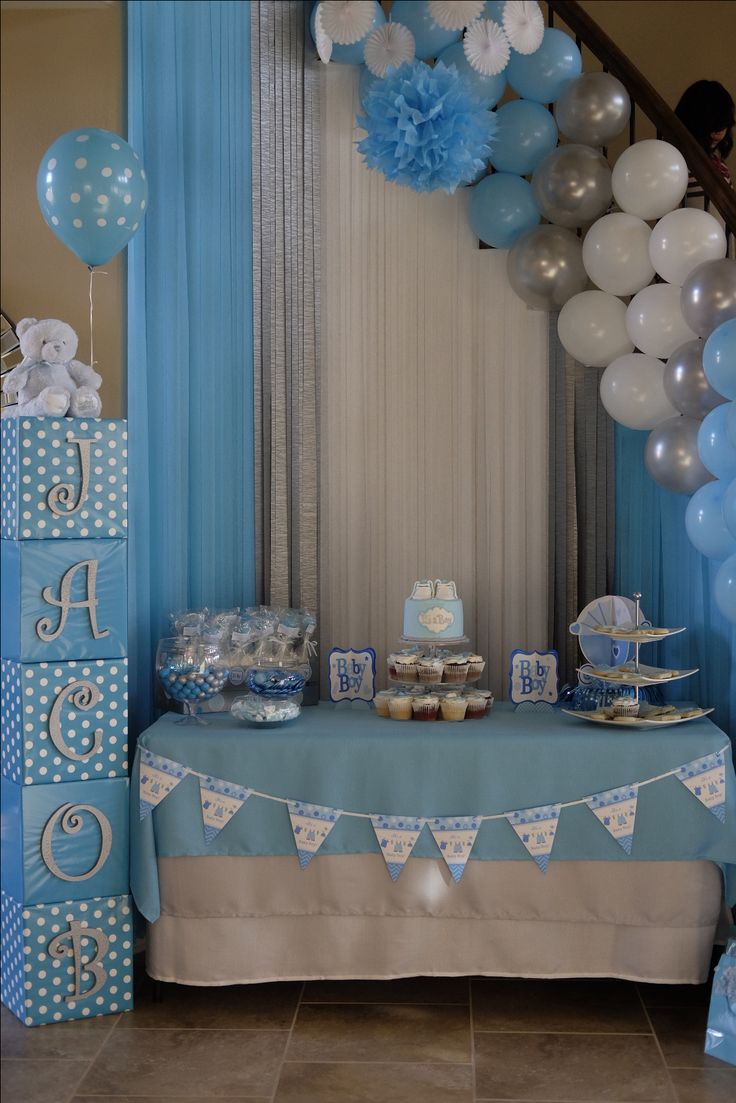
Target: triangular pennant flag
<point>536,827</point>
<point>220,801</point>
<point>396,837</point>
<point>616,809</point>
<point>706,780</point>
<point>311,824</point>
<point>455,836</point>
<point>159,776</point>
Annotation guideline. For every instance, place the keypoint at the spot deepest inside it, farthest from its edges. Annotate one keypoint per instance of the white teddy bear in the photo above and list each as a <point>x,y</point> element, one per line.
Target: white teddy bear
<point>50,381</point>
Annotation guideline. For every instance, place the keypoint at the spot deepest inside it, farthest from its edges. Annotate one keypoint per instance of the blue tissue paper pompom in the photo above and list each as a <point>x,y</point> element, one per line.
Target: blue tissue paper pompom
<point>425,129</point>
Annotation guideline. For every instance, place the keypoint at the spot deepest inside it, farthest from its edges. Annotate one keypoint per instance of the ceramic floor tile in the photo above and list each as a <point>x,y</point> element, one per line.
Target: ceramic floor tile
<point>705,1085</point>
<point>367,1083</point>
<point>421,1033</point>
<point>576,1068</point>
<point>232,1007</point>
<point>186,1062</point>
<point>75,1040</point>
<point>39,1081</point>
<point>588,1006</point>
<point>675,995</point>
<point>403,990</point>
<point>681,1034</point>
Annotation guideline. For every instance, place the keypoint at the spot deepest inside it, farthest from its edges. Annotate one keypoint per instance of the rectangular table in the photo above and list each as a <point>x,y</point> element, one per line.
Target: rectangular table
<point>239,908</point>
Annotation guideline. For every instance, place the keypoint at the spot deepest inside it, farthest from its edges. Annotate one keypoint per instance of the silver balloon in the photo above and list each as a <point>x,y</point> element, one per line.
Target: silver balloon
<point>593,109</point>
<point>685,384</point>
<point>671,456</point>
<point>708,296</point>
<point>545,267</point>
<point>572,186</point>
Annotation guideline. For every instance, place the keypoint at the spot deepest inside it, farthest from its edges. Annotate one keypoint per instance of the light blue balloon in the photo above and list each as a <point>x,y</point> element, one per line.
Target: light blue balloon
<point>502,208</point>
<point>705,524</point>
<point>719,359</point>
<point>430,39</point>
<point>526,133</point>
<point>93,192</point>
<point>352,54</point>
<point>541,76</point>
<point>716,450</point>
<point>487,91</point>
<point>731,422</point>
<point>724,589</point>
<point>729,507</point>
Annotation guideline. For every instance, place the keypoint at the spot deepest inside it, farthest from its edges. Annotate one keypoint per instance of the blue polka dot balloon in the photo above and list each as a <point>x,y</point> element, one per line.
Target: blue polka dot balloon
<point>93,192</point>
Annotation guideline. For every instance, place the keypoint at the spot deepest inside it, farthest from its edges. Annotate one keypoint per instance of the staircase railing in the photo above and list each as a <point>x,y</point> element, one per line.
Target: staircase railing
<point>648,101</point>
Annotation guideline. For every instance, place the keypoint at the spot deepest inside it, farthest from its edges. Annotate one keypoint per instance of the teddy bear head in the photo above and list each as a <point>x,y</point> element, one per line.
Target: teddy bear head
<point>48,340</point>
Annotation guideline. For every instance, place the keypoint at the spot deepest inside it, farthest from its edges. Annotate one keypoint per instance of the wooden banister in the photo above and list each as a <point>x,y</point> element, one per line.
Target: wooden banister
<point>667,124</point>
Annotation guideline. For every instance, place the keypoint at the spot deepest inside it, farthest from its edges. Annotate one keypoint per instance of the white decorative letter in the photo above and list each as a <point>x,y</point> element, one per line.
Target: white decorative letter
<point>76,935</point>
<point>65,603</point>
<point>83,695</point>
<point>63,494</point>
<point>71,823</point>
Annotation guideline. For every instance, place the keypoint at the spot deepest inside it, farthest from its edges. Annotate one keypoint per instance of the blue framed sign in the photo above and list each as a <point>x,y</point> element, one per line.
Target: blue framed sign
<point>534,676</point>
<point>352,674</point>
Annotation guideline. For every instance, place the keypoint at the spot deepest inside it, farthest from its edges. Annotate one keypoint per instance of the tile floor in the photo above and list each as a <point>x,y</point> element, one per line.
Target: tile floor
<point>422,1040</point>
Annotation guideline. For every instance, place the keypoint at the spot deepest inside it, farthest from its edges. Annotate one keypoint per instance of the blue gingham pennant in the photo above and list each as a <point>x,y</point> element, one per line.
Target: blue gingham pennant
<point>706,780</point>
<point>396,837</point>
<point>537,827</point>
<point>220,801</point>
<point>311,824</point>
<point>616,810</point>
<point>159,777</point>
<point>455,836</point>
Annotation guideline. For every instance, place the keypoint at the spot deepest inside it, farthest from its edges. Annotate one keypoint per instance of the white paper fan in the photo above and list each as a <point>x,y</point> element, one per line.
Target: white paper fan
<point>524,25</point>
<point>389,46</point>
<point>322,41</point>
<point>453,15</point>
<point>486,47</point>
<point>347,21</point>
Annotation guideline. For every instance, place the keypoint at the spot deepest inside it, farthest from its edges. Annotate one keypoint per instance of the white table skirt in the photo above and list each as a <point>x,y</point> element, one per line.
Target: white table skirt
<point>240,920</point>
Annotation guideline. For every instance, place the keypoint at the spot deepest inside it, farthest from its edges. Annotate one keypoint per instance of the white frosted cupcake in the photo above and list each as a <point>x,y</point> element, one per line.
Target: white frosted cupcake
<point>381,701</point>
<point>453,706</point>
<point>400,706</point>
<point>625,707</point>
<point>430,670</point>
<point>476,706</point>
<point>476,665</point>
<point>426,707</point>
<point>406,667</point>
<point>456,669</point>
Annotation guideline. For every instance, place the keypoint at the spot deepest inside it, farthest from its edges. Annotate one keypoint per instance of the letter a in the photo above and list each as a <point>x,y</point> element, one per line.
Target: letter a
<point>65,603</point>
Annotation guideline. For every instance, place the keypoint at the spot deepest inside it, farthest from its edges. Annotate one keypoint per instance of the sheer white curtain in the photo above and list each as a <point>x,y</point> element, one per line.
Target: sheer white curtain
<point>434,404</point>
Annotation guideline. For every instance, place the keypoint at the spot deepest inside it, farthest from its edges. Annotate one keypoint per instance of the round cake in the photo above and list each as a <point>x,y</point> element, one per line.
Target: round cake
<point>433,611</point>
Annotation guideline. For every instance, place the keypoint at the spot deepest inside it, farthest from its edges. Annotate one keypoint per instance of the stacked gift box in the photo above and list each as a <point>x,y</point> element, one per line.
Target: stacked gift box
<point>67,932</point>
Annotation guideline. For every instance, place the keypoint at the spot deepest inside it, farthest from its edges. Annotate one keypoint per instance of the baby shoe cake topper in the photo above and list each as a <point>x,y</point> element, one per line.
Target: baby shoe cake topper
<point>440,588</point>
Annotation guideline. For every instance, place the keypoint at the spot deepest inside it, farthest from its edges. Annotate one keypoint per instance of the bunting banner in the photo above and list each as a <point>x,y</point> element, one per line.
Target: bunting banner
<point>396,837</point>
<point>455,836</point>
<point>537,827</point>
<point>159,777</point>
<point>311,824</point>
<point>220,801</point>
<point>706,780</point>
<point>616,810</point>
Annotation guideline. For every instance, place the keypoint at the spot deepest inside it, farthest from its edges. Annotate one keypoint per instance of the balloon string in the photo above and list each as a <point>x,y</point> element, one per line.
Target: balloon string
<point>92,273</point>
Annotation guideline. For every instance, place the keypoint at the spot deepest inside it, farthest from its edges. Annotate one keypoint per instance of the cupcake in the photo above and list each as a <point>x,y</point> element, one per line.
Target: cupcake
<point>625,707</point>
<point>426,707</point>
<point>400,706</point>
<point>453,706</point>
<point>406,668</point>
<point>476,706</point>
<point>381,701</point>
<point>476,665</point>
<point>456,669</point>
<point>430,670</point>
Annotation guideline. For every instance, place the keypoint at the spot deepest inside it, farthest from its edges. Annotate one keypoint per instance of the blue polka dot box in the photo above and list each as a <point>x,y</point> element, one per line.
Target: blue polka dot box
<point>64,721</point>
<point>69,960</point>
<point>63,478</point>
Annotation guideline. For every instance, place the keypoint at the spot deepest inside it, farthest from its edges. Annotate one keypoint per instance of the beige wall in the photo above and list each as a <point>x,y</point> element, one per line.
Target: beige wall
<point>61,68</point>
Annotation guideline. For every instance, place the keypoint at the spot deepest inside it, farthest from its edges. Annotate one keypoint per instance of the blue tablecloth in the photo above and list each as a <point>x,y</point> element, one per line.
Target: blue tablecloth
<point>356,761</point>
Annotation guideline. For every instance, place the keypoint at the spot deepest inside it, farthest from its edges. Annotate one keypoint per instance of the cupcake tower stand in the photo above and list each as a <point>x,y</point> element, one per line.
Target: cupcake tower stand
<point>634,674</point>
<point>433,651</point>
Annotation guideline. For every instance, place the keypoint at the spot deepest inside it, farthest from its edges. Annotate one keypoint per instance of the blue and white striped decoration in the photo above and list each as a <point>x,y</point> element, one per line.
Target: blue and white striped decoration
<point>706,780</point>
<point>311,824</point>
<point>396,837</point>
<point>159,776</point>
<point>616,810</point>
<point>455,836</point>
<point>537,827</point>
<point>220,801</point>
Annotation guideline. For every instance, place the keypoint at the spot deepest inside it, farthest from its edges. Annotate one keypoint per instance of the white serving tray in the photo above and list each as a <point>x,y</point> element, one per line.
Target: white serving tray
<point>647,676</point>
<point>636,635</point>
<point>637,721</point>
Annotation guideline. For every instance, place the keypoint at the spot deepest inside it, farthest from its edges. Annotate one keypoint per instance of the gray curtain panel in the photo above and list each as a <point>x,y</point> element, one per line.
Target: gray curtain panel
<point>286,308</point>
<point>582,498</point>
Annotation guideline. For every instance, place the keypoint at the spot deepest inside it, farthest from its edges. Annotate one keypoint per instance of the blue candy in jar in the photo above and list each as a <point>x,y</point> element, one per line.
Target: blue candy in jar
<point>275,682</point>
<point>187,682</point>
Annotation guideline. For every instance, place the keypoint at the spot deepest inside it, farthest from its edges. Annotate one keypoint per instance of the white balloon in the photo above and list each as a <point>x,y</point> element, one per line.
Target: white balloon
<point>592,328</point>
<point>649,179</point>
<point>632,391</point>
<point>616,254</point>
<point>682,240</point>
<point>654,321</point>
